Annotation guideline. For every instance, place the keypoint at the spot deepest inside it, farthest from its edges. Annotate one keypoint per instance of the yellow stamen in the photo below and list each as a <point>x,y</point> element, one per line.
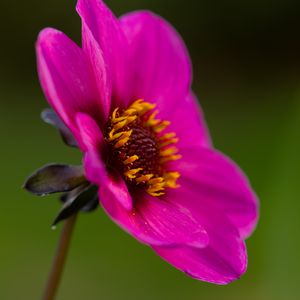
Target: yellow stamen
<point>167,136</point>
<point>170,158</point>
<point>142,107</point>
<point>144,178</point>
<point>168,151</point>
<point>122,142</point>
<point>151,120</point>
<point>120,134</point>
<point>132,173</point>
<point>170,179</point>
<point>131,159</point>
<point>155,184</point>
<point>154,194</point>
<point>161,127</point>
<point>120,125</point>
<point>156,180</point>
<point>168,142</point>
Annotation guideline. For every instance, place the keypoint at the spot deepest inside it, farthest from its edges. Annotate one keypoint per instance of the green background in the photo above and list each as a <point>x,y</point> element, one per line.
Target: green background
<point>247,76</point>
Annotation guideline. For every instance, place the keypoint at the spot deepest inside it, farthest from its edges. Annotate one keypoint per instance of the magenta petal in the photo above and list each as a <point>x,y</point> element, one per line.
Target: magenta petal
<point>222,261</point>
<point>221,184</point>
<point>111,187</point>
<point>188,122</point>
<point>95,169</point>
<point>160,67</point>
<point>103,82</point>
<point>157,222</point>
<point>65,76</point>
<point>91,136</point>
<point>105,28</point>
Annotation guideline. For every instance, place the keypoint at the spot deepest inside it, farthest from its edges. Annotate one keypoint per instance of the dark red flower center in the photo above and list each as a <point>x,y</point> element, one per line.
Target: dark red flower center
<point>140,149</point>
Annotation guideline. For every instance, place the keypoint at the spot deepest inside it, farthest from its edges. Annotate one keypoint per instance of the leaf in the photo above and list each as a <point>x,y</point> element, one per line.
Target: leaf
<point>84,198</point>
<point>55,178</point>
<point>50,117</point>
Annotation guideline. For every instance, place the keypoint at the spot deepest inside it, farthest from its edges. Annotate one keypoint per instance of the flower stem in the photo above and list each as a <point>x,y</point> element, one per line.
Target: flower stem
<point>59,259</point>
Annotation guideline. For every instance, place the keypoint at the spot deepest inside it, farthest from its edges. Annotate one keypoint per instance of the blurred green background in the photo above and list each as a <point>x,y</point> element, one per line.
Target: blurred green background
<point>247,77</point>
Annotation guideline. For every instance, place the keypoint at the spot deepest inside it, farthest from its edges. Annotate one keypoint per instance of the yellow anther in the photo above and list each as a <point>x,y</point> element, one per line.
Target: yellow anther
<point>130,112</point>
<point>167,136</point>
<point>120,125</point>
<point>131,119</point>
<point>141,107</point>
<point>113,136</point>
<point>170,158</point>
<point>151,120</point>
<point>154,184</point>
<point>156,187</point>
<point>161,126</point>
<point>172,175</point>
<point>131,174</point>
<point>168,151</point>
<point>156,180</point>
<point>130,160</point>
<point>144,178</point>
<point>155,194</point>
<point>168,142</point>
<point>121,142</point>
<point>114,114</point>
<point>171,179</point>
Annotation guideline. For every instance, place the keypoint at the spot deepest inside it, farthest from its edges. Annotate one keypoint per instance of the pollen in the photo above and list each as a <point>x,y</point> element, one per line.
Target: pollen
<point>140,147</point>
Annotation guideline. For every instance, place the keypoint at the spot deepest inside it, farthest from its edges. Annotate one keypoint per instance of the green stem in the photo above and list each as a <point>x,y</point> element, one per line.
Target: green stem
<point>59,259</point>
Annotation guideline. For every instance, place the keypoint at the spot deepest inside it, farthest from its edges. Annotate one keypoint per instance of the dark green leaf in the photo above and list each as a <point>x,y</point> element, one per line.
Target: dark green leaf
<point>55,178</point>
<point>50,117</point>
<point>84,198</point>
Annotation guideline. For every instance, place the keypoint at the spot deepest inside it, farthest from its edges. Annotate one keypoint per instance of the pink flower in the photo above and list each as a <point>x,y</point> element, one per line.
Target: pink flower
<point>126,96</point>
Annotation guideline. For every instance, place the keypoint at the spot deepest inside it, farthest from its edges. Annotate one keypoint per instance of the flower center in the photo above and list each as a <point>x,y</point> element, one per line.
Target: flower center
<point>141,149</point>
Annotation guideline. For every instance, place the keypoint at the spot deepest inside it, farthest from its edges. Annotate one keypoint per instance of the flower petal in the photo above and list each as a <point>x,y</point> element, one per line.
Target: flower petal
<point>157,222</point>
<point>95,55</point>
<point>66,77</point>
<point>105,28</point>
<point>222,261</point>
<point>221,184</point>
<point>91,135</point>
<point>160,67</point>
<point>95,169</point>
<point>188,122</point>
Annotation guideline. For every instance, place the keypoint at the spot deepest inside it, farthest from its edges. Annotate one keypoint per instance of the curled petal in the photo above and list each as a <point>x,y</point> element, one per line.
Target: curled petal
<point>98,20</point>
<point>103,81</point>
<point>90,134</point>
<point>66,77</point>
<point>222,261</point>
<point>95,169</point>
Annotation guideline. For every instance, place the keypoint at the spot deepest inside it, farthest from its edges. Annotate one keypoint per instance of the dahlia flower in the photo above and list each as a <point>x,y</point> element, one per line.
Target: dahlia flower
<point>126,97</point>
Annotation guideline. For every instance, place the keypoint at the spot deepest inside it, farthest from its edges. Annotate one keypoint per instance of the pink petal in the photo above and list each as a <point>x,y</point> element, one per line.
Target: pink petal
<point>160,67</point>
<point>157,222</point>
<point>188,122</point>
<point>222,261</point>
<point>91,135</point>
<point>219,183</point>
<point>106,30</point>
<point>95,170</point>
<point>66,78</point>
<point>103,82</point>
